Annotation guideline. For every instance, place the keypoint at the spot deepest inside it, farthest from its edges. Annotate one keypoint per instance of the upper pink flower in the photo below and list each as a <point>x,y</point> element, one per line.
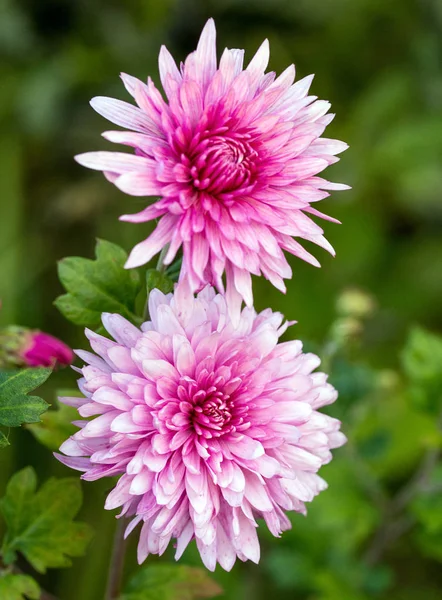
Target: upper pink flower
<point>209,425</point>
<point>234,157</point>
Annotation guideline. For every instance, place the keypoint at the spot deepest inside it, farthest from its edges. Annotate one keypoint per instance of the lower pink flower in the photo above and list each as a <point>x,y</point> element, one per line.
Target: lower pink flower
<point>209,424</point>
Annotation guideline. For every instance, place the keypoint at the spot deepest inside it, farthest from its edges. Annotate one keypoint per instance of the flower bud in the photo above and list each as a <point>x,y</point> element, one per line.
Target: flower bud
<point>355,303</point>
<point>22,347</point>
<point>388,380</point>
<point>345,330</point>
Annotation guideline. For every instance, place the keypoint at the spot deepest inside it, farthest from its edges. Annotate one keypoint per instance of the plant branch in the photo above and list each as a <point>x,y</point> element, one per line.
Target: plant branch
<point>116,566</point>
<point>419,482</point>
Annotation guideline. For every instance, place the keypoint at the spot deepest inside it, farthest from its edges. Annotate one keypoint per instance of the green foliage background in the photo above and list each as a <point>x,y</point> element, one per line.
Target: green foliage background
<point>379,63</point>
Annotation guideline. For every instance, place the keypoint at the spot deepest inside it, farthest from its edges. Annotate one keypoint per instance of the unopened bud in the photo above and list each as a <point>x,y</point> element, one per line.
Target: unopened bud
<point>355,303</point>
<point>345,329</point>
<point>21,347</point>
<point>388,380</point>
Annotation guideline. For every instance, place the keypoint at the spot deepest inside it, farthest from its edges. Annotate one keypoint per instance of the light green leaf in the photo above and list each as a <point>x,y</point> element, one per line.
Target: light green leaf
<point>428,510</point>
<point>3,440</point>
<point>97,286</point>
<point>421,361</point>
<point>73,310</point>
<point>158,280</point>
<point>332,586</point>
<point>56,425</point>
<point>40,523</point>
<point>427,505</point>
<point>18,587</point>
<point>422,356</point>
<point>380,435</point>
<point>429,543</point>
<point>171,582</point>
<point>15,406</point>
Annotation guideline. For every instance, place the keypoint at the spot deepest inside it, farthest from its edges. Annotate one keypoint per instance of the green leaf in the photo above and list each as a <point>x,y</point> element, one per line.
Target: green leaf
<point>421,361</point>
<point>40,523</point>
<point>422,356</point>
<point>158,280</point>
<point>56,424</point>
<point>380,438</point>
<point>171,582</point>
<point>15,406</point>
<point>18,587</point>
<point>333,586</point>
<point>173,270</point>
<point>353,381</point>
<point>97,286</point>
<point>427,505</point>
<point>428,510</point>
<point>73,310</point>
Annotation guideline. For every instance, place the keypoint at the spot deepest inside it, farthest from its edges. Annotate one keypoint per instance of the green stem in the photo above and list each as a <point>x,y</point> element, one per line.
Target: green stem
<point>160,264</point>
<point>116,566</point>
<point>329,351</point>
<point>161,268</point>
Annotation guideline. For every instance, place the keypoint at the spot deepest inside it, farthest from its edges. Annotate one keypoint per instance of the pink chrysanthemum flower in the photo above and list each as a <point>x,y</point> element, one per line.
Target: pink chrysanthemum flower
<point>209,425</point>
<point>234,157</point>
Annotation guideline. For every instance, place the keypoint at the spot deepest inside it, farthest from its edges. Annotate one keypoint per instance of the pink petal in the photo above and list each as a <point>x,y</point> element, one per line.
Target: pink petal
<point>144,251</point>
<point>124,114</point>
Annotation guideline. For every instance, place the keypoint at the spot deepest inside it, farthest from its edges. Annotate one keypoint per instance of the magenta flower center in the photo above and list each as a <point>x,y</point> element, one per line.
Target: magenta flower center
<point>221,163</point>
<point>207,408</point>
<point>212,410</point>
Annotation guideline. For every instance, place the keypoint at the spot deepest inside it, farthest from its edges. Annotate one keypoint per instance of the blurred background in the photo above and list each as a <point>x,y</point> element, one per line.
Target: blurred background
<point>379,63</point>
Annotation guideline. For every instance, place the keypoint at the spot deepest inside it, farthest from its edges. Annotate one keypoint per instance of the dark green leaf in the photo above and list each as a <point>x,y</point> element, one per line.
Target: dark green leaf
<point>56,424</point>
<point>97,286</point>
<point>173,270</point>
<point>15,406</point>
<point>353,381</point>
<point>171,582</point>
<point>40,523</point>
<point>158,280</point>
<point>18,587</point>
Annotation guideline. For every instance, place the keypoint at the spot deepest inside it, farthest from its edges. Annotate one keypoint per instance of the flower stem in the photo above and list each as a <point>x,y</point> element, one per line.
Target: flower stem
<point>117,562</point>
<point>160,264</point>
<point>160,267</point>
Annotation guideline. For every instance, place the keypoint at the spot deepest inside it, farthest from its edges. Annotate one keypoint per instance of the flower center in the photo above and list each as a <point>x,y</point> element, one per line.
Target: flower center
<point>208,409</point>
<point>223,165</point>
<point>212,410</point>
